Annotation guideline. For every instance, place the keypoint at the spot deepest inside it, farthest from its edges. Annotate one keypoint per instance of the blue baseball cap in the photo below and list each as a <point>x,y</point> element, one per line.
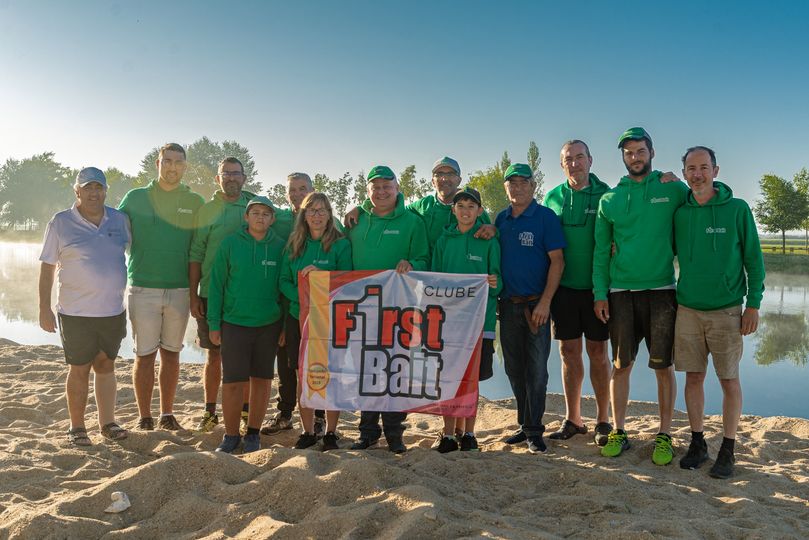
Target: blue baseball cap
<point>89,175</point>
<point>447,161</point>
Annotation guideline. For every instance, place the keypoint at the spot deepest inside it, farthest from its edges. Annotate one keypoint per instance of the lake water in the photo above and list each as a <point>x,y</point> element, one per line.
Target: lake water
<point>774,369</point>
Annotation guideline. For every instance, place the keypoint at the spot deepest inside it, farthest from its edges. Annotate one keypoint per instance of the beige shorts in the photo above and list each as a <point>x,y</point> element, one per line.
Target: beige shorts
<point>159,318</point>
<point>698,333</point>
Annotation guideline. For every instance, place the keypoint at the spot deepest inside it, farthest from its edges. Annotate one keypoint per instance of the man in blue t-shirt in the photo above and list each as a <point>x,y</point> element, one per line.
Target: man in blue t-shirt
<point>531,243</point>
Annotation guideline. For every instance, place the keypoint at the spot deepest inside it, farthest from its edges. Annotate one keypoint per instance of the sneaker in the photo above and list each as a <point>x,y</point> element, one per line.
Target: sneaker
<point>306,440</point>
<point>229,443</point>
<point>243,425</point>
<point>447,444</point>
<point>278,423</point>
<point>207,423</point>
<point>320,427</point>
<point>663,452</point>
<point>517,438</point>
<point>364,444</point>
<point>536,445</point>
<point>723,466</point>
<point>602,433</point>
<point>697,455</point>
<point>396,445</point>
<point>330,441</point>
<point>617,442</point>
<point>568,430</point>
<point>469,443</point>
<point>252,443</point>
<point>167,421</point>
<point>146,423</point>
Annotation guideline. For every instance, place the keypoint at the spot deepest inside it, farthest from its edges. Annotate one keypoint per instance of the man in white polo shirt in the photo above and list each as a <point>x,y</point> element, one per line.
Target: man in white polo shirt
<point>87,243</point>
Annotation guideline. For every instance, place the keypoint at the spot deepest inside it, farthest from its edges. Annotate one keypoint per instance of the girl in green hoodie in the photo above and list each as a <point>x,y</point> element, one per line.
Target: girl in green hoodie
<point>315,244</point>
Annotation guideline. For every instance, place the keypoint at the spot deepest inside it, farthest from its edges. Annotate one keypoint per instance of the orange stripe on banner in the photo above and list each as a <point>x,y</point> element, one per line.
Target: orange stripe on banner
<point>317,358</point>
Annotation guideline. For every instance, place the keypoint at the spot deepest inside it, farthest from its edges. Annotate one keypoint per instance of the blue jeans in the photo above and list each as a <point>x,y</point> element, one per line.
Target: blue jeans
<point>525,355</point>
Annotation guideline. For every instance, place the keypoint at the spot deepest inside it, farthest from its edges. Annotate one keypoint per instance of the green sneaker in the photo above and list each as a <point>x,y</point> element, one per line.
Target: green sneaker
<point>207,423</point>
<point>663,452</point>
<point>617,442</point>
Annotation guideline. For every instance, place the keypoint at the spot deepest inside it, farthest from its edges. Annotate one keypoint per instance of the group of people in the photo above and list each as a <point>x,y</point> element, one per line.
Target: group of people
<point>591,261</point>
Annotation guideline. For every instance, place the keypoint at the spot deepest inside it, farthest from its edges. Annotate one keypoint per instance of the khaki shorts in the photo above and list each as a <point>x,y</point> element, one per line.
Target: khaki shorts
<point>698,333</point>
<point>159,318</point>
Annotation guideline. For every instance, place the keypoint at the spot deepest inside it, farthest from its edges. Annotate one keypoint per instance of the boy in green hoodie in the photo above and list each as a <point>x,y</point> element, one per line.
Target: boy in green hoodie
<point>244,316</point>
<point>635,219</point>
<point>387,236</point>
<point>458,251</point>
<point>162,215</point>
<point>720,264</point>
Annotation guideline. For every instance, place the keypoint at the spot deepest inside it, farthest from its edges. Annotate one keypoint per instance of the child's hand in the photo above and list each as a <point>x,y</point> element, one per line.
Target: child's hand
<point>492,279</point>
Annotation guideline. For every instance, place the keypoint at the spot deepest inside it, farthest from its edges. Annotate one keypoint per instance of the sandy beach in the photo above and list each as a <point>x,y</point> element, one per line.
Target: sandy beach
<point>179,488</point>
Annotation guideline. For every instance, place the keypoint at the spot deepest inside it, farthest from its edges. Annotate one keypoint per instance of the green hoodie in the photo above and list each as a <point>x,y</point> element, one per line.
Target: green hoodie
<point>216,220</point>
<point>438,216</point>
<point>337,258</point>
<point>639,218</point>
<point>162,227</point>
<point>716,244</point>
<point>244,281</point>
<point>577,212</point>
<point>462,253</point>
<point>284,222</point>
<point>380,242</point>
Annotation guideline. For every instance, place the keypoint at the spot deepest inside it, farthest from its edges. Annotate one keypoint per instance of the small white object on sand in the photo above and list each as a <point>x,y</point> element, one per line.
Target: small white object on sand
<point>120,502</point>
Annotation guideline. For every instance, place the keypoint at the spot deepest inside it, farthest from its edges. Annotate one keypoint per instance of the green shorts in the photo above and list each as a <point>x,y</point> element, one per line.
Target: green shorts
<point>84,337</point>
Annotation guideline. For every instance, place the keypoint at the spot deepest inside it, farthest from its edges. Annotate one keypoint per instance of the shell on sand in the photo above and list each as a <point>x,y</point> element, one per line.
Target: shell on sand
<point>180,488</point>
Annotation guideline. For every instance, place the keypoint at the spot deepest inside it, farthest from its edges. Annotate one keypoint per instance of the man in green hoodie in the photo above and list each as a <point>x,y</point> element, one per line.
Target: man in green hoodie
<point>720,264</point>
<point>575,201</point>
<point>633,263</point>
<point>163,216</point>
<point>387,236</point>
<point>217,219</point>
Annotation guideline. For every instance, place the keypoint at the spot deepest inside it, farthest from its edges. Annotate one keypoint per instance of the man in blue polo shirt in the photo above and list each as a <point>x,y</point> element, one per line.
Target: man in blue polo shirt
<point>531,243</point>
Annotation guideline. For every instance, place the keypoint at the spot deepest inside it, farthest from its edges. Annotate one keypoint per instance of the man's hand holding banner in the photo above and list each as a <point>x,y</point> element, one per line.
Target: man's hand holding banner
<point>383,341</point>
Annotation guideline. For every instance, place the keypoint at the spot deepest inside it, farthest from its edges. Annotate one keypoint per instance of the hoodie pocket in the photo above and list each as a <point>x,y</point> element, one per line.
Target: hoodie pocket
<point>702,291</point>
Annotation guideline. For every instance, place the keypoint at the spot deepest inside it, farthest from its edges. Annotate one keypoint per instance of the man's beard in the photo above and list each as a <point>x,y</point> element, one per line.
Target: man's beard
<point>647,167</point>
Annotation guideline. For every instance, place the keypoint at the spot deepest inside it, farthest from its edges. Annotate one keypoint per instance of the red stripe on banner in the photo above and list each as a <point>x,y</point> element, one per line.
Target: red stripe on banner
<point>336,280</point>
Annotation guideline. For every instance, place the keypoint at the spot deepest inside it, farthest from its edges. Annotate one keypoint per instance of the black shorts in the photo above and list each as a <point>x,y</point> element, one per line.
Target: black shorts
<point>84,337</point>
<point>203,332</point>
<point>486,359</point>
<point>292,333</point>
<point>572,315</point>
<point>637,315</point>
<point>248,351</point>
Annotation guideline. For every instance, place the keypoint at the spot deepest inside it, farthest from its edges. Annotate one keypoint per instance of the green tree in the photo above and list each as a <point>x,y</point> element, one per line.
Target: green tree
<point>533,161</point>
<point>360,191</point>
<point>781,208</point>
<point>783,336</point>
<point>278,195</point>
<point>801,181</point>
<point>408,186</point>
<point>340,196</point>
<point>490,185</point>
<point>118,184</point>
<point>33,189</point>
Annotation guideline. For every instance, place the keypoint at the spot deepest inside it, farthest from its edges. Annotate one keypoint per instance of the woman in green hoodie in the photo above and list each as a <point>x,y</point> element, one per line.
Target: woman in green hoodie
<point>244,316</point>
<point>315,244</point>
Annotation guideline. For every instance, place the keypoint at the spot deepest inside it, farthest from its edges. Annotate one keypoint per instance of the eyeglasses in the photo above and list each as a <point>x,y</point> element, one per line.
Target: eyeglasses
<point>317,211</point>
<point>231,174</point>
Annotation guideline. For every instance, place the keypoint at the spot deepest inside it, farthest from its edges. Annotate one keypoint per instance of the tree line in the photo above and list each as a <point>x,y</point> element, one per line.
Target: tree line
<point>784,205</point>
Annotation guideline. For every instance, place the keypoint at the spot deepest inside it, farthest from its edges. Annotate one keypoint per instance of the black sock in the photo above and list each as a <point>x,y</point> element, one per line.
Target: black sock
<point>211,407</point>
<point>246,407</point>
<point>252,431</point>
<point>727,444</point>
<point>698,436</point>
<point>620,431</point>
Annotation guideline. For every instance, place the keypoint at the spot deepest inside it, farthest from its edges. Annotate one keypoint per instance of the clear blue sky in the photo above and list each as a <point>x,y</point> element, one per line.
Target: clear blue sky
<point>339,86</point>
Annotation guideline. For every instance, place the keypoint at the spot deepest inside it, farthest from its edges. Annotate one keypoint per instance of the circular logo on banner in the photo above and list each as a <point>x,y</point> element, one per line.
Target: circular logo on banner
<point>317,378</point>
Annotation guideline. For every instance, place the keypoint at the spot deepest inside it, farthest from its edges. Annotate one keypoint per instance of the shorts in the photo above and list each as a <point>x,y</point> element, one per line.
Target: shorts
<point>203,331</point>
<point>84,337</point>
<point>572,315</point>
<point>292,333</point>
<point>698,333</point>
<point>642,315</point>
<point>248,351</point>
<point>159,318</point>
<point>486,359</point>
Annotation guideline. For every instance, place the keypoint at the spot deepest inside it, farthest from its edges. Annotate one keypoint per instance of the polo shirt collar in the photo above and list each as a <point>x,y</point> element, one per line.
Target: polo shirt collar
<point>532,207</point>
<point>74,210</point>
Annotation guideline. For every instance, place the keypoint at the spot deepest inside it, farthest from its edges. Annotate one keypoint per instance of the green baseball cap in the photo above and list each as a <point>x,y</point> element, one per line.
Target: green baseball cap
<point>518,169</point>
<point>260,199</point>
<point>467,193</point>
<point>634,134</point>
<point>381,171</point>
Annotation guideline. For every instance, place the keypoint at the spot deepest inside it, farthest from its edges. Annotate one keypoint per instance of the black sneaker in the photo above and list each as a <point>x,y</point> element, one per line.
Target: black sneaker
<point>320,427</point>
<point>278,423</point>
<point>723,466</point>
<point>447,444</point>
<point>330,441</point>
<point>568,430</point>
<point>469,443</point>
<point>167,421</point>
<point>602,433</point>
<point>364,444</point>
<point>697,455</point>
<point>536,445</point>
<point>396,445</point>
<point>146,423</point>
<point>517,438</point>
<point>306,440</point>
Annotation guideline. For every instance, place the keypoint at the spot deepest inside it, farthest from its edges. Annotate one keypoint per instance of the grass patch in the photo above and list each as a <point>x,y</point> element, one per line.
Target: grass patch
<point>787,264</point>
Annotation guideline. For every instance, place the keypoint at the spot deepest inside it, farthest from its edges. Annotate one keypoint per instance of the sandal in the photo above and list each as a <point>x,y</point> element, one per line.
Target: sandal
<point>568,430</point>
<point>114,432</point>
<point>78,437</point>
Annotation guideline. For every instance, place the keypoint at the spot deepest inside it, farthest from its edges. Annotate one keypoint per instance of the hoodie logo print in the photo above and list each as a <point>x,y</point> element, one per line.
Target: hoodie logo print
<point>184,211</point>
<point>659,200</point>
<point>389,231</point>
<point>470,257</point>
<point>527,239</point>
<point>715,230</point>
<point>268,263</point>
